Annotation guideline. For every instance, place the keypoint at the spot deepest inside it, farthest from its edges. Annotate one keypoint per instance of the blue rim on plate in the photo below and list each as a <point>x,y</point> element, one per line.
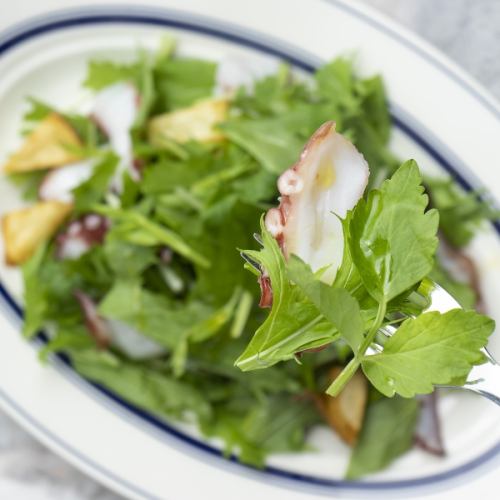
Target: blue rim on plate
<point>176,19</point>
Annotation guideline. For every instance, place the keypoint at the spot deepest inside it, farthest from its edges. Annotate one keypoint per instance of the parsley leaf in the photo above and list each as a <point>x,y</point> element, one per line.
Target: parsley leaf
<point>392,239</point>
<point>428,350</point>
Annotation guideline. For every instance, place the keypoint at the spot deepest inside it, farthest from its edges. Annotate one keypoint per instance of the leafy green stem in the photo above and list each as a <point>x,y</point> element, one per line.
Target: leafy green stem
<point>348,372</point>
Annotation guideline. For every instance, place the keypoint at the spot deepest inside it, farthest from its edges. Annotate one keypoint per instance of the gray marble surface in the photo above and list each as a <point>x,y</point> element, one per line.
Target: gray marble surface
<point>468,31</point>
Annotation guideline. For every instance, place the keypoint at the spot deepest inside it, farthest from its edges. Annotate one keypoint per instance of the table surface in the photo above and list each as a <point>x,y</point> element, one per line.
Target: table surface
<point>468,31</point>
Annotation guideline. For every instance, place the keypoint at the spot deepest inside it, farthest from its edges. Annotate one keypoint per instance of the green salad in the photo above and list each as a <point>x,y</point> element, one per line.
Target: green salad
<point>130,253</point>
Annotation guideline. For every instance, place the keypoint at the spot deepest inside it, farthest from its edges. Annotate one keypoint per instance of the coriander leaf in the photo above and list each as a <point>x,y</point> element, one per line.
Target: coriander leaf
<point>336,304</point>
<point>294,321</point>
<point>429,350</point>
<point>392,239</point>
<point>386,434</point>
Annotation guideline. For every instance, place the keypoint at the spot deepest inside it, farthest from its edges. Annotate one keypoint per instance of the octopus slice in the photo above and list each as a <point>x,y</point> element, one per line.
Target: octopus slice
<point>428,434</point>
<point>115,111</point>
<point>81,235</point>
<point>58,184</point>
<point>327,181</point>
<point>107,332</point>
<point>96,324</point>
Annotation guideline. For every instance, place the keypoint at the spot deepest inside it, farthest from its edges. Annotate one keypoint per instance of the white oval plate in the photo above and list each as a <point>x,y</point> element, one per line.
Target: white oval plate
<point>441,118</point>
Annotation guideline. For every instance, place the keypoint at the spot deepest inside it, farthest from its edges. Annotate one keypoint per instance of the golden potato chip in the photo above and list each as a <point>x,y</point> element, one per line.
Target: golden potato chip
<point>345,412</point>
<point>47,146</point>
<point>196,123</point>
<point>23,230</point>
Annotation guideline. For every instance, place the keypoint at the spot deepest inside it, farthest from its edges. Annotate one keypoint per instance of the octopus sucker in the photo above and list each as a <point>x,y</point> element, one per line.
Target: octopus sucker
<point>326,182</point>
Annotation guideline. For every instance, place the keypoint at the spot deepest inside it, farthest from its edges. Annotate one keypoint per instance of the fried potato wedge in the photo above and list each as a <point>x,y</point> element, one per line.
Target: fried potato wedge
<point>196,123</point>
<point>345,412</point>
<point>47,146</point>
<point>23,230</point>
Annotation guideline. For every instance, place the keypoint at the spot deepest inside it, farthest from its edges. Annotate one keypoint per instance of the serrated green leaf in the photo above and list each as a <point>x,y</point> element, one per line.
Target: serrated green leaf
<point>392,238</point>
<point>429,350</point>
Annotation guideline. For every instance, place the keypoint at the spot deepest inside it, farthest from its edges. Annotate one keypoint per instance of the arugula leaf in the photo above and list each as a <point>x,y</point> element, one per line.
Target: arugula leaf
<point>101,74</point>
<point>276,424</point>
<point>28,182</point>
<point>136,228</point>
<point>336,82</point>
<point>34,298</point>
<point>461,214</point>
<point>218,232</point>
<point>181,82</point>
<point>203,330</point>
<point>151,314</point>
<point>92,191</point>
<point>147,388</point>
<point>293,322</point>
<point>429,350</point>
<point>392,239</point>
<point>126,259</point>
<point>375,108</point>
<point>386,434</point>
<point>276,142</point>
<point>336,304</point>
<point>75,337</point>
<point>38,110</point>
<point>273,145</point>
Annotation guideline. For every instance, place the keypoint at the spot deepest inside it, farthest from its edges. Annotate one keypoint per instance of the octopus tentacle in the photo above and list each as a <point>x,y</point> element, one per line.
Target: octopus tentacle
<point>324,184</point>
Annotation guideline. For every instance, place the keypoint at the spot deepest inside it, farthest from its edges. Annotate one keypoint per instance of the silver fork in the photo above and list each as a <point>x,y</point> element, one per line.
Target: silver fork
<point>483,379</point>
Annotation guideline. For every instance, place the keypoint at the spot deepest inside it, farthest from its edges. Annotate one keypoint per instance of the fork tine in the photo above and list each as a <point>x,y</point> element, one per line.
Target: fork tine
<point>258,238</point>
<point>251,261</point>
